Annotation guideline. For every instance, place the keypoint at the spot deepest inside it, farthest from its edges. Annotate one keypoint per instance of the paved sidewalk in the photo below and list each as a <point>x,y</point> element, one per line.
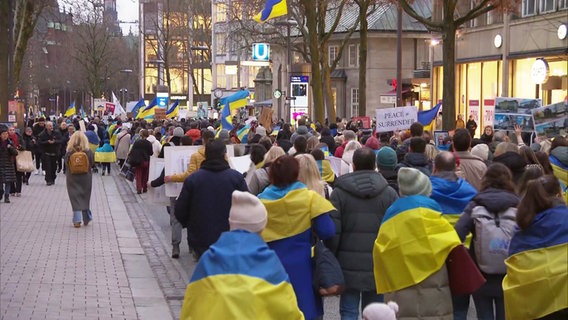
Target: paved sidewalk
<point>51,270</point>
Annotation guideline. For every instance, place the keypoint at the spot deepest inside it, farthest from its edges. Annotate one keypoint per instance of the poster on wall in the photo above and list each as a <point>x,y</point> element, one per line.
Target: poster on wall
<point>552,120</point>
<point>299,90</point>
<point>488,112</point>
<point>391,119</point>
<point>515,111</point>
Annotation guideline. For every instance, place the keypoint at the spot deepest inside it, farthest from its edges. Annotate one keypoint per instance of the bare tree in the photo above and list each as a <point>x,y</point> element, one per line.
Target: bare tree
<point>447,25</point>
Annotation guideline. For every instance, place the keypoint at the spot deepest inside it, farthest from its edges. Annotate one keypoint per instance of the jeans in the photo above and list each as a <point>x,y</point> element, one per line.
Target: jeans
<point>106,165</point>
<point>87,216</point>
<point>350,299</point>
<point>6,189</point>
<point>488,300</point>
<point>174,223</point>
<point>461,306</point>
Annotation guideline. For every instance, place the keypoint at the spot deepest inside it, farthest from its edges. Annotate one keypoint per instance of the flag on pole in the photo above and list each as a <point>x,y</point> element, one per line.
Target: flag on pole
<point>272,9</point>
<point>83,113</point>
<point>231,104</point>
<point>148,112</point>
<point>70,110</point>
<point>137,107</point>
<point>173,111</point>
<point>118,110</point>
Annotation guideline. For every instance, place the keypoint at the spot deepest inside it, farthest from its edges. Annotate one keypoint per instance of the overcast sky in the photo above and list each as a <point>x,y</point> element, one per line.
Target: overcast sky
<point>127,11</point>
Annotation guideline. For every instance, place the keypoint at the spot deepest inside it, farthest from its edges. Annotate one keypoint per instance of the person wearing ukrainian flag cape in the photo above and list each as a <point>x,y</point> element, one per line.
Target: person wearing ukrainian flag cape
<point>536,284</point>
<point>410,251</point>
<point>559,161</point>
<point>239,276</point>
<point>294,212</point>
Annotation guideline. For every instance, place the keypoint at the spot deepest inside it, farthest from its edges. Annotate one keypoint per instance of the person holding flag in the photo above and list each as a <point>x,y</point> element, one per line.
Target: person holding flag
<point>148,112</point>
<point>173,110</point>
<point>70,110</point>
<point>137,107</point>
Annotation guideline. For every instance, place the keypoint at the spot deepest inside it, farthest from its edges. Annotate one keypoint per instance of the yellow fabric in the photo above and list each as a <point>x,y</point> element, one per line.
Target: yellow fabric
<point>410,247</point>
<point>105,157</point>
<point>562,175</point>
<point>293,214</point>
<point>536,283</point>
<point>327,173</point>
<point>93,147</point>
<point>236,296</point>
<point>194,163</point>
<point>453,219</point>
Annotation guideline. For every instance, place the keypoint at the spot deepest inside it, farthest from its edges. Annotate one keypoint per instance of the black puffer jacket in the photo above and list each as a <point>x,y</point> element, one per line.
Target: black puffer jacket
<point>7,168</point>
<point>361,199</point>
<point>417,161</point>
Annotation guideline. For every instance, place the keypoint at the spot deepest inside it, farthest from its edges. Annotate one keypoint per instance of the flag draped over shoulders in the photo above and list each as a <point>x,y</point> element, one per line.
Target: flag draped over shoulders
<point>272,9</point>
<point>536,283</point>
<point>286,210</point>
<point>413,243</point>
<point>239,277</point>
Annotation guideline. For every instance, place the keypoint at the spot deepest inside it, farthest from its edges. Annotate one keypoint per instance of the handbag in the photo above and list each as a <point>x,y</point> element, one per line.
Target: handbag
<point>464,275</point>
<point>127,171</point>
<point>328,277</point>
<point>24,161</point>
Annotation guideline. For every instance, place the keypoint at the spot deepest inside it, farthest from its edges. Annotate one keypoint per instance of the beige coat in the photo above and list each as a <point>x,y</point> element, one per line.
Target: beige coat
<point>122,146</point>
<point>471,168</point>
<point>431,299</point>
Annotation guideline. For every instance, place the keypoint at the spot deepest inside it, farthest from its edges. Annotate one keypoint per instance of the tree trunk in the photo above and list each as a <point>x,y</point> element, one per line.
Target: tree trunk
<point>363,42</point>
<point>5,17</point>
<point>316,80</point>
<point>449,74</point>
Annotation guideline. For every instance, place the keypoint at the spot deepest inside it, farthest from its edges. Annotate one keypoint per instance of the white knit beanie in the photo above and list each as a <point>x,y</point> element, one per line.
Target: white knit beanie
<point>412,182</point>
<point>380,311</point>
<point>481,150</point>
<point>247,212</point>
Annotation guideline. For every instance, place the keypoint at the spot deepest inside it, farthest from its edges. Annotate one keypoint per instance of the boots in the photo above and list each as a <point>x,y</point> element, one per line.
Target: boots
<point>175,251</point>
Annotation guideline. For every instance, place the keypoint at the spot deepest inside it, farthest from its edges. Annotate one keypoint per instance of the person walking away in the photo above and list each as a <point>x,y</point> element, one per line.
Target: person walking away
<point>79,159</point>
<point>471,168</point>
<point>63,130</point>
<point>139,158</point>
<point>50,141</point>
<point>105,155</point>
<point>30,144</point>
<point>490,218</point>
<point>294,214</point>
<point>17,142</point>
<point>361,199</point>
<point>413,234</point>
<point>37,129</point>
<point>205,199</point>
<point>122,145</point>
<point>8,153</point>
<point>536,284</point>
<point>240,277</point>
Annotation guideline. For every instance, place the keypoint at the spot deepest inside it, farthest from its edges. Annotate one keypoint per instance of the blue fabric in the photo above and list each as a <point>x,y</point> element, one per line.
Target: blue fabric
<point>105,148</point>
<point>92,137</point>
<point>411,202</point>
<point>137,107</point>
<point>350,299</point>
<point>240,252</point>
<point>426,117</point>
<point>452,196</point>
<point>556,162</point>
<point>549,228</point>
<point>274,193</point>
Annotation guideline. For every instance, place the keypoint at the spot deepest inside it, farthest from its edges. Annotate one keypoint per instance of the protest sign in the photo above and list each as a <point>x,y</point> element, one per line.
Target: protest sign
<point>515,111</point>
<point>551,120</point>
<point>176,162</point>
<point>241,164</point>
<point>157,195</point>
<point>391,119</point>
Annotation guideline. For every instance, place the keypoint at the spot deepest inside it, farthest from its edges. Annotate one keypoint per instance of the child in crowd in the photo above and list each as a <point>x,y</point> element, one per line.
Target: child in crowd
<point>105,155</point>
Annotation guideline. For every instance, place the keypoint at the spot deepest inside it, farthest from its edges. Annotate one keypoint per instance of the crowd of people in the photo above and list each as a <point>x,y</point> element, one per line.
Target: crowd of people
<point>390,206</point>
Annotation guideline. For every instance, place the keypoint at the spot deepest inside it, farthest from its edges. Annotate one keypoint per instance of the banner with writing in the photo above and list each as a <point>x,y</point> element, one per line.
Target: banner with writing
<point>391,119</point>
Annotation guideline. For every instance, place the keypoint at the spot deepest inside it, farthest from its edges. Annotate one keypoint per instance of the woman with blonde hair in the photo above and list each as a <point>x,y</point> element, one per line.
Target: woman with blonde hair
<point>349,150</point>
<point>79,184</point>
<point>310,176</point>
<point>259,179</point>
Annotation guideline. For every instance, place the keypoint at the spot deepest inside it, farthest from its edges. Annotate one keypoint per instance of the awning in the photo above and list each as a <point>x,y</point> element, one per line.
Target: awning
<point>265,103</point>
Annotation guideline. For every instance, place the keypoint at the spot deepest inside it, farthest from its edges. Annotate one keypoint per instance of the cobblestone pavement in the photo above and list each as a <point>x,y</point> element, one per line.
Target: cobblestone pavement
<point>51,270</point>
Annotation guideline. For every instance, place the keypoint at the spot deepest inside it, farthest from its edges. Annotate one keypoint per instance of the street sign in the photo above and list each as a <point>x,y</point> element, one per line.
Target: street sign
<point>260,52</point>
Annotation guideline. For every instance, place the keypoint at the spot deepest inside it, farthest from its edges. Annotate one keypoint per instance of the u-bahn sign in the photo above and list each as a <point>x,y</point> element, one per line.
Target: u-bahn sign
<point>260,52</point>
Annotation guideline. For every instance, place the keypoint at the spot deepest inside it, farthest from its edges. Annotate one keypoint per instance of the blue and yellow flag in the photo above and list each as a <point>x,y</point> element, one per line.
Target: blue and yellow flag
<point>70,110</point>
<point>173,110</point>
<point>536,283</point>
<point>148,112</point>
<point>560,171</point>
<point>230,105</point>
<point>83,113</point>
<point>239,277</point>
<point>242,133</point>
<point>272,9</point>
<point>287,207</point>
<point>137,107</point>
<point>413,243</point>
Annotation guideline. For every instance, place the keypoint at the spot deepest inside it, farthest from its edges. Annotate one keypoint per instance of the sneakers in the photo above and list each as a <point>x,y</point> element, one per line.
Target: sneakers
<point>43,173</point>
<point>77,224</point>
<point>175,251</point>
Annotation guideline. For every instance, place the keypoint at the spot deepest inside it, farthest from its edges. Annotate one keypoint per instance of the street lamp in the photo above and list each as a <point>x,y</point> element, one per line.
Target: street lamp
<point>201,49</point>
<point>125,89</point>
<point>288,24</point>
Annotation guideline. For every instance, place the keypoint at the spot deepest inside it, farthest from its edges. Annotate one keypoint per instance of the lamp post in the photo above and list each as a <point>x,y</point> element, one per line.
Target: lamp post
<point>201,49</point>
<point>288,24</point>
<point>125,89</point>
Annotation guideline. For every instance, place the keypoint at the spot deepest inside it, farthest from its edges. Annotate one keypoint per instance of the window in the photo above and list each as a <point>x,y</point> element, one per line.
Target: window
<point>221,12</point>
<point>353,55</point>
<point>221,76</point>
<point>220,45</point>
<point>529,7</point>
<point>354,101</point>
<point>547,6</point>
<point>332,53</point>
<point>562,4</point>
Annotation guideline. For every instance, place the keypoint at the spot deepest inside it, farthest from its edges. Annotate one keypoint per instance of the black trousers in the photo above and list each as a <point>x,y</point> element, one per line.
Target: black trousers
<point>49,164</point>
<point>16,187</point>
<point>37,156</point>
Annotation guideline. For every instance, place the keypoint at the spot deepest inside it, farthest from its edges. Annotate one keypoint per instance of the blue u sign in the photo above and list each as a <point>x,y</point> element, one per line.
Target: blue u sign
<point>260,52</point>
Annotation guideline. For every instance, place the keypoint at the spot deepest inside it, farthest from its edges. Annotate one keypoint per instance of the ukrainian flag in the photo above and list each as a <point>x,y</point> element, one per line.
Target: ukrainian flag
<point>239,277</point>
<point>70,110</point>
<point>137,107</point>
<point>148,112</point>
<point>536,283</point>
<point>230,105</point>
<point>173,111</point>
<point>83,113</point>
<point>560,171</point>
<point>242,134</point>
<point>272,9</point>
<point>413,243</point>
